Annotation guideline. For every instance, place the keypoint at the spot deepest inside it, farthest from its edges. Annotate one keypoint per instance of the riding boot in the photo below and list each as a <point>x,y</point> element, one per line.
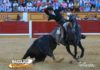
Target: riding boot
<point>65,25</point>
<point>58,36</point>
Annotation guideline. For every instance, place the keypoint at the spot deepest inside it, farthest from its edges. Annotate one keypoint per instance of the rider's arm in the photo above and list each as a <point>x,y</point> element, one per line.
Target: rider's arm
<point>50,16</point>
<point>46,11</point>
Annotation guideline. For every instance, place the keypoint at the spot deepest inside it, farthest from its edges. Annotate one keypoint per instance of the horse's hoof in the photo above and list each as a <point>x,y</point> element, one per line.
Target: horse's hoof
<point>78,57</point>
<point>71,62</point>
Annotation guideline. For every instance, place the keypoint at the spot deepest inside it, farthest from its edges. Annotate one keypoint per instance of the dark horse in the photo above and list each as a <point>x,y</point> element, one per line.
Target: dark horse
<point>72,38</point>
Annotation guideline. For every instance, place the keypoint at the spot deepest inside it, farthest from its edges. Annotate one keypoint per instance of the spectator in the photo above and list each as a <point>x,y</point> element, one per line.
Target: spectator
<point>76,6</point>
<point>25,9</point>
<point>38,5</point>
<point>93,3</point>
<point>97,5</point>
<point>15,6</point>
<point>1,8</point>
<point>81,2</point>
<point>64,4</point>
<point>4,1</point>
<point>20,8</point>
<point>34,8</point>
<point>8,6</point>
<point>71,5</point>
<point>86,1</point>
<point>44,5</point>
<point>29,5</point>
<point>1,1</point>
<point>87,8</point>
<point>71,1</point>
<point>56,5</point>
<point>21,1</point>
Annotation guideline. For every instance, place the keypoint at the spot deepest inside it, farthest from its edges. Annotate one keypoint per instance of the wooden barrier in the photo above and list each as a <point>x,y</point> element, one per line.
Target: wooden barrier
<point>38,16</point>
<point>9,16</point>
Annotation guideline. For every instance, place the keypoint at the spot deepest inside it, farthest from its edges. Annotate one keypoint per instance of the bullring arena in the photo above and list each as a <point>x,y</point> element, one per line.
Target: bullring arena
<point>14,46</point>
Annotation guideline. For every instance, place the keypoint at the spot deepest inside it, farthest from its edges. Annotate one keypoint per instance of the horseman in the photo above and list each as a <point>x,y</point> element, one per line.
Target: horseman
<point>58,16</point>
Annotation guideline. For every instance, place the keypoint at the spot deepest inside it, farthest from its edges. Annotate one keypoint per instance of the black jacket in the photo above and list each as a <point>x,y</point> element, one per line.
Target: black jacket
<point>57,17</point>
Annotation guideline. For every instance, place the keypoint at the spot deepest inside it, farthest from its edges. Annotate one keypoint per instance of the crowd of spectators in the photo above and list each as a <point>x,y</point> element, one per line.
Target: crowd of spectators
<point>40,5</point>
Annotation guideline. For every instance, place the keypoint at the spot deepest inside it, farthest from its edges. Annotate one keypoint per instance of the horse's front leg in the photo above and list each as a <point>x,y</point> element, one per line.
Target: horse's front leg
<point>75,53</point>
<point>68,50</point>
<point>82,49</point>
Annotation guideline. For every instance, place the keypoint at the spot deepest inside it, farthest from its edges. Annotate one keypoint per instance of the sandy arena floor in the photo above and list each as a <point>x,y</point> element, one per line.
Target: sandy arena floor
<point>14,48</point>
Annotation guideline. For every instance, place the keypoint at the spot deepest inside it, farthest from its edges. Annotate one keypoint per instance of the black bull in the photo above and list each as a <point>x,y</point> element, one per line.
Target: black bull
<point>41,47</point>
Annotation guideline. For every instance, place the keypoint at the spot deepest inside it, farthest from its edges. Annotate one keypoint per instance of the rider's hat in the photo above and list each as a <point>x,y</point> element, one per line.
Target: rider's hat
<point>49,8</point>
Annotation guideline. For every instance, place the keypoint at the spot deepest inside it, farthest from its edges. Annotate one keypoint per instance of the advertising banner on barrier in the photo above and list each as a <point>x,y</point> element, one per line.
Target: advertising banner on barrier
<point>39,16</point>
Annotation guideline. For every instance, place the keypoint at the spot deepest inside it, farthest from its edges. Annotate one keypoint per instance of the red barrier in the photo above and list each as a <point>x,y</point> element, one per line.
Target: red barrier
<point>42,27</point>
<point>46,27</point>
<point>13,27</point>
<point>90,26</point>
